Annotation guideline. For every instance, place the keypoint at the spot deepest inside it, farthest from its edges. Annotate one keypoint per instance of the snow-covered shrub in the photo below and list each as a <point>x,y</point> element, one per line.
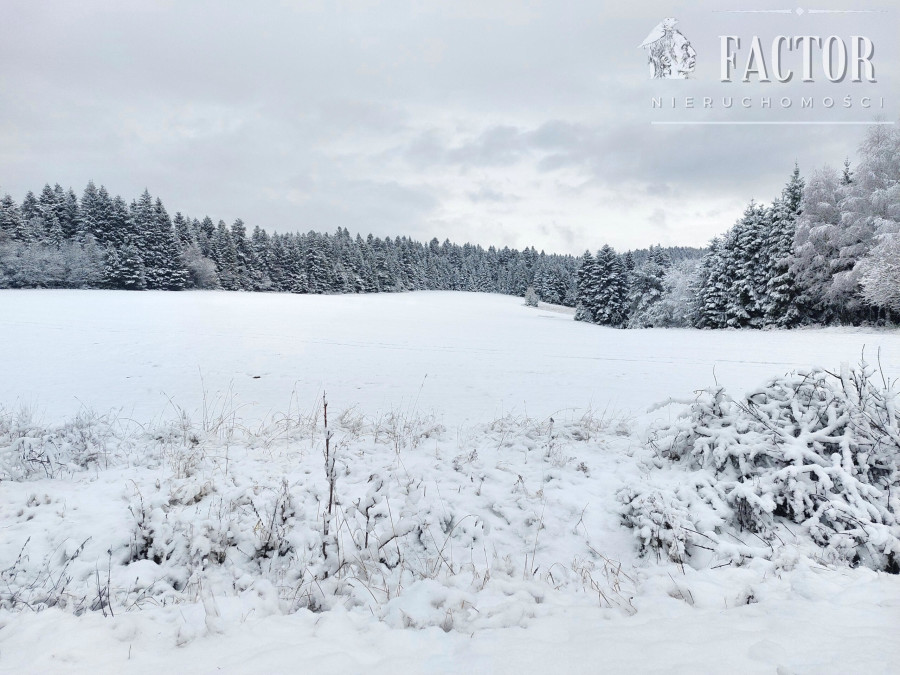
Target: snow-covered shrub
<point>29,449</point>
<point>817,449</point>
<point>469,528</point>
<point>661,521</point>
<point>531,298</point>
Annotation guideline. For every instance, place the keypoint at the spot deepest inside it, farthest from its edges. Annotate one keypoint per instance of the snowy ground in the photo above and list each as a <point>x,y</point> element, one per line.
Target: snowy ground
<point>466,357</point>
<point>472,532</point>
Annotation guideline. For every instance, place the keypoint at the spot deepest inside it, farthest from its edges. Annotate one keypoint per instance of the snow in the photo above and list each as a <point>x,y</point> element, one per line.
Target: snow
<point>466,357</point>
<point>469,536</point>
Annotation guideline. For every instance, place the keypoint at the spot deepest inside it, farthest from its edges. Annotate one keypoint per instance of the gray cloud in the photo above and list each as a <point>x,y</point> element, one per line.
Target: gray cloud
<point>488,194</point>
<point>503,122</point>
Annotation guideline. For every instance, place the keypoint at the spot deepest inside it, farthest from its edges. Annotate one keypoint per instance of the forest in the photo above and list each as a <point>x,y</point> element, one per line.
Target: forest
<point>56,240</point>
<point>824,252</point>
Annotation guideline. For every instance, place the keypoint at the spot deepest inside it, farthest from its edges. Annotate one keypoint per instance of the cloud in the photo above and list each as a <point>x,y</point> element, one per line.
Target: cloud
<point>509,122</point>
<point>487,194</point>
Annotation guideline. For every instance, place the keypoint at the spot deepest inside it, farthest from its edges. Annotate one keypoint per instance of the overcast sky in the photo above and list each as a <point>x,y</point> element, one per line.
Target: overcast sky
<point>498,122</point>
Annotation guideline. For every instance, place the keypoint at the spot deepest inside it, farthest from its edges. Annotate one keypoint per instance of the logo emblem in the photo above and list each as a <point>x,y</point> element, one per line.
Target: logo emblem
<point>669,53</point>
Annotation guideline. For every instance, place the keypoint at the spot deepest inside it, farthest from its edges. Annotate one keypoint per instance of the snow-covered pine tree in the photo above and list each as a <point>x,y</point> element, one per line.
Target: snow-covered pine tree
<point>713,286</point>
<point>619,285</point>
<point>52,233</point>
<point>586,278</point>
<point>10,219</point>
<point>124,269</point>
<point>259,248</point>
<point>96,211</point>
<point>206,233</point>
<point>846,173</point>
<point>121,227</point>
<point>153,238</point>
<point>52,204</point>
<point>224,254</point>
<point>244,263</point>
<point>170,273</point>
<point>31,208</point>
<point>295,254</point>
<point>184,235</point>
<point>747,293</point>
<point>781,289</point>
<point>610,298</point>
<point>318,266</point>
<point>72,225</point>
<point>89,211</point>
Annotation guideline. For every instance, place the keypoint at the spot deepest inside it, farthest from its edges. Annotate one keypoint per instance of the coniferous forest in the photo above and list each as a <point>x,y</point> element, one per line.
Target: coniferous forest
<point>826,251</point>
<point>56,240</point>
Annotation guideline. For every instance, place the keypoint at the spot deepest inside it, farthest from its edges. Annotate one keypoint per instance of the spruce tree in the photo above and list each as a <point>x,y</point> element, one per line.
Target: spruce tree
<point>713,286</point>
<point>586,288</point>
<point>781,308</point>
<point>10,219</point>
<point>611,289</point>
<point>746,297</point>
<point>124,269</point>
<point>31,208</point>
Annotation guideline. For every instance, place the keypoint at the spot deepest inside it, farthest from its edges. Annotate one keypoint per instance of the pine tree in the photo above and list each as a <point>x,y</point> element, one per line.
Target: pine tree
<point>170,273</point>
<point>120,230</point>
<point>49,202</point>
<point>846,174</point>
<point>244,271</point>
<point>262,259</point>
<point>206,233</point>
<point>72,225</point>
<point>611,296</point>
<point>586,279</point>
<point>224,254</point>
<point>124,269</point>
<point>713,285</point>
<point>10,219</point>
<point>90,212</point>
<point>781,308</point>
<point>31,208</point>
<point>184,234</point>
<point>746,297</point>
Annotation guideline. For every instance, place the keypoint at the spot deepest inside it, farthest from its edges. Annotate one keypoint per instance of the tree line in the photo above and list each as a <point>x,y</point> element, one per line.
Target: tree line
<point>58,240</point>
<point>826,251</point>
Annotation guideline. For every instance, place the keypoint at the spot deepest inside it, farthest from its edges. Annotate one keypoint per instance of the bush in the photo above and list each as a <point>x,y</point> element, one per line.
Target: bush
<point>531,298</point>
<point>817,449</point>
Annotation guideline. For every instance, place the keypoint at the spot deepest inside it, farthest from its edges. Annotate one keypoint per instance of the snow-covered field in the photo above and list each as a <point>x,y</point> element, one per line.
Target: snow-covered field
<point>165,493</point>
<point>462,356</point>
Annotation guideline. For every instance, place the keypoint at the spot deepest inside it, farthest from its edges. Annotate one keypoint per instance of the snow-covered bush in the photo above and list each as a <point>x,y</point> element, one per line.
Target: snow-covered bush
<point>408,522</point>
<point>29,449</point>
<point>531,298</point>
<point>815,449</point>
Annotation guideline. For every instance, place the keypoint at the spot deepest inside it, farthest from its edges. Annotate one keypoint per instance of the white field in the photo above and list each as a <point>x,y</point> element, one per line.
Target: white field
<point>465,357</point>
<point>512,557</point>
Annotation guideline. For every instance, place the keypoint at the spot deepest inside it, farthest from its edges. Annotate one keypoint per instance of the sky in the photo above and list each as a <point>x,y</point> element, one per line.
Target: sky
<point>498,122</point>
